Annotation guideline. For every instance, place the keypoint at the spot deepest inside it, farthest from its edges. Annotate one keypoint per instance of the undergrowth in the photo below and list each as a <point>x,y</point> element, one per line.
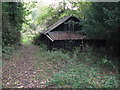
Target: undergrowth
<point>89,69</point>
<point>7,51</point>
<point>27,38</point>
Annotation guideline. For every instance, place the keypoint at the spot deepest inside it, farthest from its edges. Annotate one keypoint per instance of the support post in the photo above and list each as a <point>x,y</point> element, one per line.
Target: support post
<point>82,45</point>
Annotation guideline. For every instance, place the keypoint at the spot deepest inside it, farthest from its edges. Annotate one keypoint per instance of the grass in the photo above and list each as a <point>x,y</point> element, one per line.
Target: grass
<point>89,69</point>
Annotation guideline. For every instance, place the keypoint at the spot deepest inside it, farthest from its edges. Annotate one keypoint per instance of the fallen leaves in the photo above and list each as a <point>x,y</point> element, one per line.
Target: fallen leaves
<point>19,71</point>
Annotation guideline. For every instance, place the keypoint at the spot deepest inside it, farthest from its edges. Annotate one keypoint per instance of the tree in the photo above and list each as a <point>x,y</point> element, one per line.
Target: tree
<point>102,20</point>
<point>12,20</point>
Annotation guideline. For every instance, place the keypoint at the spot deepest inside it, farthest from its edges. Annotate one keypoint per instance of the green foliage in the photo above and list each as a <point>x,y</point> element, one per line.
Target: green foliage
<point>31,13</point>
<point>47,12</point>
<point>83,78</point>
<point>102,20</point>
<point>79,69</point>
<point>50,14</point>
<point>53,55</point>
<point>37,39</point>
<point>12,21</point>
<point>26,38</point>
<point>7,51</point>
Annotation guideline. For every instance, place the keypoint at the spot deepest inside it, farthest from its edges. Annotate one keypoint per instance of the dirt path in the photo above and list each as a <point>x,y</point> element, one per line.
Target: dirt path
<point>19,71</point>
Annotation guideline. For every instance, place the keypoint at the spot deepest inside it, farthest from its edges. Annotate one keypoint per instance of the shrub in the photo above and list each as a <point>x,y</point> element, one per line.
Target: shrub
<point>84,77</point>
<point>7,51</point>
<point>78,69</point>
<point>37,39</point>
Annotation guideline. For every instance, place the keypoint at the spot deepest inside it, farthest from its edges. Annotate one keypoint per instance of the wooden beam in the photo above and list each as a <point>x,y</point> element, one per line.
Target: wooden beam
<point>50,38</point>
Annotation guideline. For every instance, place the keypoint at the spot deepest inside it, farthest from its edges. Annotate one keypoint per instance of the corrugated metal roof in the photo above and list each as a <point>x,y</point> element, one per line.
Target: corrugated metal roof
<point>57,24</point>
<point>65,35</point>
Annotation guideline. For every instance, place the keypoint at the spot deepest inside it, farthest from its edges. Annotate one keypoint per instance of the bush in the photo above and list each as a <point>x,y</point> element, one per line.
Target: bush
<point>37,39</point>
<point>7,51</point>
<point>54,55</point>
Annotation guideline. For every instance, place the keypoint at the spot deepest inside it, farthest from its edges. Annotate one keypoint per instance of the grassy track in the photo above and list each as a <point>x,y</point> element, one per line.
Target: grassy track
<point>34,67</point>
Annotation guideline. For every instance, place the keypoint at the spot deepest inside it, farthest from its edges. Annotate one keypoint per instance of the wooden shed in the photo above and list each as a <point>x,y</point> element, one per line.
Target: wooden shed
<point>64,34</point>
